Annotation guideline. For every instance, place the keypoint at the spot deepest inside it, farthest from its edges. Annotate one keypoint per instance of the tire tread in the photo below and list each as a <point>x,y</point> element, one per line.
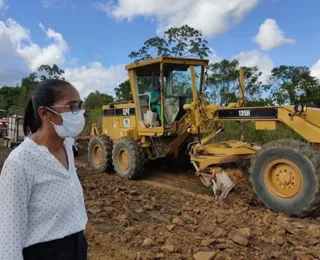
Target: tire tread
<point>311,155</point>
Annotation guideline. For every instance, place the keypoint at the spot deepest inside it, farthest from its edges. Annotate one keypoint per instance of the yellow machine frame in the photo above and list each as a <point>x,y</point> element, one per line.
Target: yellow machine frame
<point>126,136</point>
<point>114,127</point>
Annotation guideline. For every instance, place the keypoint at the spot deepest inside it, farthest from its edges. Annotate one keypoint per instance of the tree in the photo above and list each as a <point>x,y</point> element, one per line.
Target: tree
<point>28,83</point>
<point>176,42</point>
<point>123,92</point>
<point>183,41</point>
<point>8,96</point>
<point>49,72</point>
<point>294,83</point>
<point>96,100</point>
<point>223,83</point>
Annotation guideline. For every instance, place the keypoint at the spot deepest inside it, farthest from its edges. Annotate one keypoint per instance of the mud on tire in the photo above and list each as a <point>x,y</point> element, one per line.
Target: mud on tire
<point>128,158</point>
<point>302,157</point>
<point>100,153</point>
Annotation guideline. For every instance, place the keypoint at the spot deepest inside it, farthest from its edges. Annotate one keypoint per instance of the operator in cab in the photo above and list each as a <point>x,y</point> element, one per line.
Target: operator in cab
<point>155,96</point>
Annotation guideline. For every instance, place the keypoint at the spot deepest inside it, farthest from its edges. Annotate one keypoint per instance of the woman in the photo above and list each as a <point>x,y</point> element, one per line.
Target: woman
<point>42,211</point>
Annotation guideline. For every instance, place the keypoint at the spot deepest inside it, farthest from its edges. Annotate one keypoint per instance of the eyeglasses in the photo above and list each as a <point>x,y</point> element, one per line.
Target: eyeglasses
<point>74,107</point>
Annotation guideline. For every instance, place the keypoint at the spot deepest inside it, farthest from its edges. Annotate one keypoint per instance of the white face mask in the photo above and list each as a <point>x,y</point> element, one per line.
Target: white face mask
<point>72,125</point>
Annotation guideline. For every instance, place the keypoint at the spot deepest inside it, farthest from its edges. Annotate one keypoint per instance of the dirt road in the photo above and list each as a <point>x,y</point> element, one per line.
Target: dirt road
<point>172,216</point>
<point>168,216</point>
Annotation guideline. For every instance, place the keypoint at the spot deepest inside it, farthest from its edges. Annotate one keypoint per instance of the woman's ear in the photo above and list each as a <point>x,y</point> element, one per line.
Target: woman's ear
<point>43,114</point>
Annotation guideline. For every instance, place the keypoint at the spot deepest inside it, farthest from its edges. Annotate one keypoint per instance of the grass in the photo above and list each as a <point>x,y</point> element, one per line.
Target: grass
<point>233,130</point>
<point>236,131</point>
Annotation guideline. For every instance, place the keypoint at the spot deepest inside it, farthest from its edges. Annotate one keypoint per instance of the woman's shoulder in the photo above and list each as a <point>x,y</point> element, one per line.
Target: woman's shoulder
<point>18,157</point>
<point>21,152</point>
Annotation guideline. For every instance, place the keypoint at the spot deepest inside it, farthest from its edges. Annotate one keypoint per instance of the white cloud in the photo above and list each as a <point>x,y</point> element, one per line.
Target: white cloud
<point>54,53</point>
<point>12,36</point>
<point>2,4</point>
<point>213,57</point>
<point>47,3</point>
<point>315,70</point>
<point>19,56</point>
<point>59,4</point>
<point>271,36</point>
<point>17,42</point>
<point>96,77</point>
<point>210,16</point>
<point>13,31</point>
<point>256,58</point>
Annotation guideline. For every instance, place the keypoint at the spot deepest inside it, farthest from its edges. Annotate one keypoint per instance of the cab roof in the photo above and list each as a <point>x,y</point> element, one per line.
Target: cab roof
<point>172,60</point>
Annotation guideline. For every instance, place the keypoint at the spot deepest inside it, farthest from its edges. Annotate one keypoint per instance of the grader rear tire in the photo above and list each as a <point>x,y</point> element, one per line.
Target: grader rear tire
<point>100,153</point>
<point>285,175</point>
<point>128,158</point>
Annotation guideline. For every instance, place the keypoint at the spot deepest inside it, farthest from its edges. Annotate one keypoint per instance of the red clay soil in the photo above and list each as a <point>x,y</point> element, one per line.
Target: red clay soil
<point>173,216</point>
<point>168,216</point>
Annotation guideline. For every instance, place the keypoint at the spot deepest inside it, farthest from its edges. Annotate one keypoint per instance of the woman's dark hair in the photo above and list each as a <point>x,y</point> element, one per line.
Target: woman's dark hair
<point>45,94</point>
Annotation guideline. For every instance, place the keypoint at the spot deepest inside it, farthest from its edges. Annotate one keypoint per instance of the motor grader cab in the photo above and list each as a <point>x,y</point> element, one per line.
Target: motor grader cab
<point>160,88</point>
<point>169,111</point>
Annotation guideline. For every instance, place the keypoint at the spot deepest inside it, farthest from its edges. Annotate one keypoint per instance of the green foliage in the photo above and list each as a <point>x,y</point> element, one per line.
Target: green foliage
<point>234,130</point>
<point>184,41</point>
<point>123,92</point>
<point>49,72</point>
<point>293,84</point>
<point>15,98</point>
<point>97,100</point>
<point>8,96</point>
<point>223,83</point>
<point>27,84</point>
<point>93,116</point>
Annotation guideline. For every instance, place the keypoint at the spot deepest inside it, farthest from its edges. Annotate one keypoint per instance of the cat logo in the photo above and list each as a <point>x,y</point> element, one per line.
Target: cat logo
<point>126,111</point>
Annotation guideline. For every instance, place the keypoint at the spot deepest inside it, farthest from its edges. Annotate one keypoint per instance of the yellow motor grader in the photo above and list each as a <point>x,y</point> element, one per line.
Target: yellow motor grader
<point>169,114</point>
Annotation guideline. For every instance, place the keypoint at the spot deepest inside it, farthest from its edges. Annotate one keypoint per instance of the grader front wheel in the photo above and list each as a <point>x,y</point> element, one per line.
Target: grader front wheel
<point>99,153</point>
<point>286,177</point>
<point>128,158</point>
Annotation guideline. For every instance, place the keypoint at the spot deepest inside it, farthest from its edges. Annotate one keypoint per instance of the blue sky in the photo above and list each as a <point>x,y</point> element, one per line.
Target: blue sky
<point>91,39</point>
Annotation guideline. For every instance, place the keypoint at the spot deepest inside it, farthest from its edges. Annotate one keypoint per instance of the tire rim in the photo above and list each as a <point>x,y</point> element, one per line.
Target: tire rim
<point>283,179</point>
<point>97,154</point>
<point>123,159</point>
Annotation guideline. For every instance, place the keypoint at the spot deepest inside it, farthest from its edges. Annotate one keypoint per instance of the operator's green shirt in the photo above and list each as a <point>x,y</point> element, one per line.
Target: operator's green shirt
<point>154,94</point>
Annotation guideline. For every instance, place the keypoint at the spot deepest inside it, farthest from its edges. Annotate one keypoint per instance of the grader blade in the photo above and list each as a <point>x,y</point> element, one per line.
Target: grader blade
<point>222,185</point>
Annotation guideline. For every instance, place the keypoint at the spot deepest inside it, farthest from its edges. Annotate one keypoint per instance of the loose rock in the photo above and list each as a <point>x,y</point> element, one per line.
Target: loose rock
<point>159,256</point>
<point>94,210</point>
<point>277,240</point>
<point>217,232</point>
<point>244,232</point>
<point>222,256</point>
<point>266,218</point>
<point>147,242</point>
<point>177,221</point>
<point>170,227</point>
<point>240,240</point>
<point>134,192</point>
<point>207,242</point>
<point>240,236</point>
<point>168,249</point>
<point>204,255</point>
